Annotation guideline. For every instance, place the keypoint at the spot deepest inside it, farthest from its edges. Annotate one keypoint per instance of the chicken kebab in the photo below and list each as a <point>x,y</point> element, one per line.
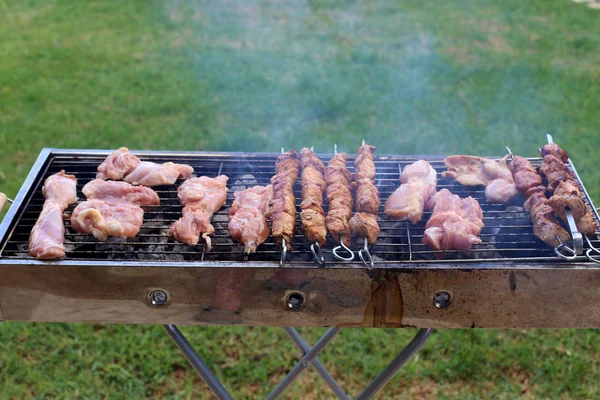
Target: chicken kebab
<point>312,214</point>
<point>282,206</point>
<point>566,193</point>
<point>200,197</point>
<point>364,222</point>
<point>339,195</point>
<point>47,237</point>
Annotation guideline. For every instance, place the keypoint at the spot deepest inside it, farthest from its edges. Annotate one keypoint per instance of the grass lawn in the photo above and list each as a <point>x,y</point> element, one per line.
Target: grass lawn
<point>413,78</point>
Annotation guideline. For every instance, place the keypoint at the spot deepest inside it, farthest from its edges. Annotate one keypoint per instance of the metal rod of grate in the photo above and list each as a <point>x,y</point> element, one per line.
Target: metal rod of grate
<point>309,358</point>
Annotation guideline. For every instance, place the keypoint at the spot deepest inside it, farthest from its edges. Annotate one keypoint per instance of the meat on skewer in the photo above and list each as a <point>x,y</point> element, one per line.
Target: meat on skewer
<point>415,194</point>
<point>313,187</point>
<point>47,237</point>
<point>123,165</point>
<point>545,225</point>
<point>566,192</point>
<point>475,171</point>
<point>248,216</point>
<point>454,224</point>
<point>339,196</point>
<point>282,207</point>
<point>112,209</point>
<point>524,174</point>
<point>201,198</point>
<point>364,222</point>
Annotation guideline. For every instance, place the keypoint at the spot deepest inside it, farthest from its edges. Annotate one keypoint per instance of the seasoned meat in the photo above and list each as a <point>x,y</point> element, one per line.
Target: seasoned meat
<point>339,195</point>
<point>365,225</point>
<point>525,175</point>
<point>313,186</point>
<point>282,207</point>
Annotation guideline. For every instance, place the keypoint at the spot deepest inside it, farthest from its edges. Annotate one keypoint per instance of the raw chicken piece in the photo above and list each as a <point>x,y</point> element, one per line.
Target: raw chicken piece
<point>48,234</point>
<point>153,174</point>
<point>117,192</point>
<point>201,198</point>
<point>247,217</point>
<point>454,224</point>
<point>102,219</point>
<point>479,171</point>
<point>61,189</point>
<point>117,165</point>
<point>419,181</point>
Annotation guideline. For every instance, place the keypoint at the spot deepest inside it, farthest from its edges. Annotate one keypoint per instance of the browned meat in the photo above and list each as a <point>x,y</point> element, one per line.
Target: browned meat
<point>367,196</point>
<point>364,225</point>
<point>568,195</point>
<point>313,186</point>
<point>525,175</point>
<point>339,195</point>
<point>545,225</point>
<point>556,151</point>
<point>364,166</point>
<point>47,237</point>
<point>555,171</point>
<point>282,207</point>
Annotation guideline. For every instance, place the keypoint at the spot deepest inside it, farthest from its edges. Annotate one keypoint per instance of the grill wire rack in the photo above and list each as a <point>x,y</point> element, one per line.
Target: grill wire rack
<point>507,236</point>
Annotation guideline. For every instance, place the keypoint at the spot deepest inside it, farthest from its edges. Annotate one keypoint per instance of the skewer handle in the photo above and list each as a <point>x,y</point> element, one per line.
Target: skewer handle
<point>575,235</point>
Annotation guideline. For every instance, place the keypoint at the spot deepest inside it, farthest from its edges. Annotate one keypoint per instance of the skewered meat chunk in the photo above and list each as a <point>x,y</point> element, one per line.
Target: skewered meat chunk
<point>545,225</point>
<point>454,224</point>
<point>339,196</point>
<point>567,195</point>
<point>556,151</point>
<point>282,207</point>
<point>555,171</point>
<point>116,192</point>
<point>313,186</point>
<point>153,174</point>
<point>364,222</point>
<point>102,219</point>
<point>365,225</point>
<point>201,198</point>
<point>587,224</point>
<point>247,217</point>
<point>525,175</point>
<point>47,237</point>
<point>476,171</point>
<point>415,194</point>
<point>117,165</point>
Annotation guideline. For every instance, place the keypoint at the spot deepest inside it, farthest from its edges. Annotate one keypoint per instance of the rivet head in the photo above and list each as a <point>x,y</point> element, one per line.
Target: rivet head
<point>158,298</point>
<point>442,299</point>
<point>295,301</point>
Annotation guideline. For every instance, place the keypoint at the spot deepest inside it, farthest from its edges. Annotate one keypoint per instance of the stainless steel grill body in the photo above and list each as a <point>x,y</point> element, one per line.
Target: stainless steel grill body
<point>511,280</point>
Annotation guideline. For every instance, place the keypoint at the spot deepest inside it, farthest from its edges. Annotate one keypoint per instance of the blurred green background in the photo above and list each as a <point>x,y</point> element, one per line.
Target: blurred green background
<point>412,77</point>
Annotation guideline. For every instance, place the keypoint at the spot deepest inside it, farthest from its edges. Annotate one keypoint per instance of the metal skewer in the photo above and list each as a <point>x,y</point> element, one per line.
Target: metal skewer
<point>317,253</point>
<point>204,246</point>
<point>365,255</point>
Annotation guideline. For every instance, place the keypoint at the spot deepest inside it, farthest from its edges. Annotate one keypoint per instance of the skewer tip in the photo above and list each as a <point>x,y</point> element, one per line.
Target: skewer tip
<point>363,142</point>
<point>509,152</point>
<point>549,137</point>
<point>282,150</point>
<point>335,148</point>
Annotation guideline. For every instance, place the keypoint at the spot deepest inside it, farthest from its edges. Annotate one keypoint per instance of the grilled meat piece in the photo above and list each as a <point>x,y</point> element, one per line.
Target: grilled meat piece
<point>339,195</point>
<point>313,186</point>
<point>546,226</point>
<point>556,151</point>
<point>116,192</point>
<point>525,175</point>
<point>153,174</point>
<point>102,219</point>
<point>117,165</point>
<point>587,224</point>
<point>555,171</point>
<point>476,171</point>
<point>365,225</point>
<point>364,165</point>
<point>567,195</point>
<point>201,198</point>
<point>247,216</point>
<point>419,181</point>
<point>282,207</point>
<point>367,196</point>
<point>454,224</point>
<point>47,237</point>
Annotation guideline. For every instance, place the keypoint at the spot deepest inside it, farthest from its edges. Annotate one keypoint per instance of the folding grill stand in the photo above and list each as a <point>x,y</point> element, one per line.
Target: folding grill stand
<point>309,358</point>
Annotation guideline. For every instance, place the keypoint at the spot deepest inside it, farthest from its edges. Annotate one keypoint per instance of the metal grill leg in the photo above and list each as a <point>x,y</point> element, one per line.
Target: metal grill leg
<point>194,358</point>
<point>293,333</point>
<point>395,366</point>
<point>304,362</point>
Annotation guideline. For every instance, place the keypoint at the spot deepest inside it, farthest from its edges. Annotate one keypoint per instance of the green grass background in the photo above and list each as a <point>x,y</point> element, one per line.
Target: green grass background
<point>412,77</point>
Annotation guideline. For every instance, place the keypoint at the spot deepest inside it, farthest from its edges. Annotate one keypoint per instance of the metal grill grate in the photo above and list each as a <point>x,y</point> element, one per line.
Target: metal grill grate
<point>507,235</point>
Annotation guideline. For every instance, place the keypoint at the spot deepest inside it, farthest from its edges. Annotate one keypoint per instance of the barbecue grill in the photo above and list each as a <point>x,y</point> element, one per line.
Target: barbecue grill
<point>511,280</point>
